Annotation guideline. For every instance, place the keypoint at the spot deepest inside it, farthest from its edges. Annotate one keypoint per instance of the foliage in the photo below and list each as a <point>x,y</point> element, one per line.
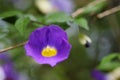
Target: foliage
<point>17,23</point>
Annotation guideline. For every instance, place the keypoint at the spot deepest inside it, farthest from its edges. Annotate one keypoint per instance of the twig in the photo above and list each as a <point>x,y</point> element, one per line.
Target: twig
<point>81,10</point>
<point>78,12</point>
<point>20,44</point>
<point>12,47</point>
<point>108,12</point>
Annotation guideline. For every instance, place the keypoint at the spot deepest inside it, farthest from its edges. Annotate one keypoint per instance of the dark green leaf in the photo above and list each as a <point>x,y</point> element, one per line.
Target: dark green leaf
<point>21,24</point>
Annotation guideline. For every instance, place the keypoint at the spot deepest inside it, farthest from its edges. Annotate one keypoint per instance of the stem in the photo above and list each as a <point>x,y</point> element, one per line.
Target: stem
<point>108,12</point>
<point>12,47</point>
<point>81,10</point>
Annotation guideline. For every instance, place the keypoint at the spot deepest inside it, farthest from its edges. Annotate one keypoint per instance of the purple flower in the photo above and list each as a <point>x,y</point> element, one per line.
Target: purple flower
<point>97,75</point>
<point>10,73</point>
<point>63,5</point>
<point>48,45</point>
<point>6,69</point>
<point>5,58</point>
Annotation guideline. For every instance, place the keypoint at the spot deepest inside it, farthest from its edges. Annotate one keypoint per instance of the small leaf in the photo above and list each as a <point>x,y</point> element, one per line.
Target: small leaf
<point>21,24</point>
<point>57,17</point>
<point>108,58</point>
<point>9,14</point>
<point>109,66</point>
<point>108,62</point>
<point>82,22</point>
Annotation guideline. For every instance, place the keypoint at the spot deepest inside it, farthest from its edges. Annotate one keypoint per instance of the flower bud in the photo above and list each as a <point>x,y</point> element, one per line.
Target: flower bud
<point>85,40</point>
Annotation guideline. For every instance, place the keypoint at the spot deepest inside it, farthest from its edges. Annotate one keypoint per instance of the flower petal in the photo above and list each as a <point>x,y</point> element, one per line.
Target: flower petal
<point>46,35</point>
<point>63,53</point>
<point>97,75</point>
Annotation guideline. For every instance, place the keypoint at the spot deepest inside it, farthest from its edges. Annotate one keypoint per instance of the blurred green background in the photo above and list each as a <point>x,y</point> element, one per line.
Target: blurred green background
<point>104,33</point>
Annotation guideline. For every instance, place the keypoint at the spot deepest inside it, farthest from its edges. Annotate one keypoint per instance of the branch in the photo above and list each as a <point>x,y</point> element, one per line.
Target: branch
<point>108,12</point>
<point>82,10</point>
<point>12,47</point>
<point>20,44</point>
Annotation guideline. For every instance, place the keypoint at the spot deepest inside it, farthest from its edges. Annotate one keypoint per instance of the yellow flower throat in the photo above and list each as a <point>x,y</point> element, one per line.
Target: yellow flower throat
<point>49,52</point>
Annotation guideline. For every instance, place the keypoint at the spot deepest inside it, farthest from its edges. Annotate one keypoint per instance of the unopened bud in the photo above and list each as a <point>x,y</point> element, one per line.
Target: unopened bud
<point>85,40</point>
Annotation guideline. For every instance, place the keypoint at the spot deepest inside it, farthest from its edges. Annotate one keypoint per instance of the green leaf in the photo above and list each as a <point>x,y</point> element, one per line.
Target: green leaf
<point>9,14</point>
<point>21,24</point>
<point>58,17</point>
<point>108,62</point>
<point>108,58</point>
<point>109,66</point>
<point>82,22</point>
<point>95,7</point>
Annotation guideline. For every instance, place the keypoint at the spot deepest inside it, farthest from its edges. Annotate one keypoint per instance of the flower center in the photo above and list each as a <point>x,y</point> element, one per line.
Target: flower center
<point>49,52</point>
